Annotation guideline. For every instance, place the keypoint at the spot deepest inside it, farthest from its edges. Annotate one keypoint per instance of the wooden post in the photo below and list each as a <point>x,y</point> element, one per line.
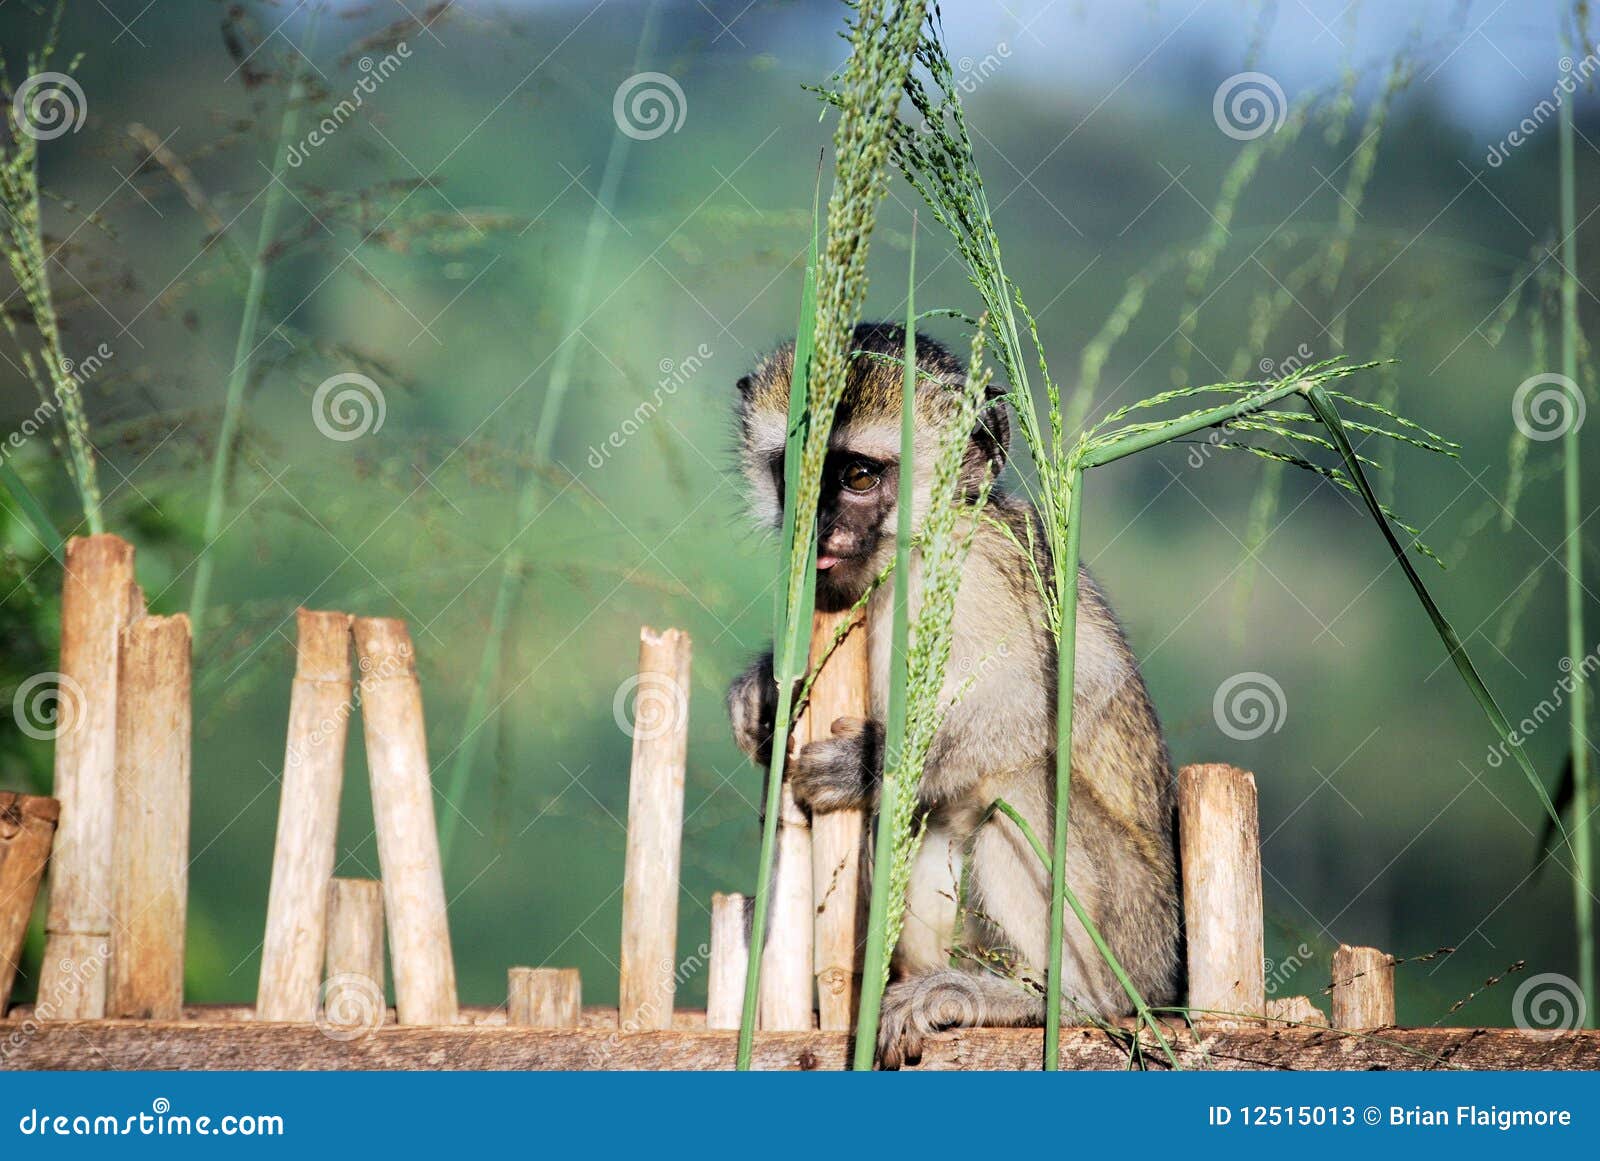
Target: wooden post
<point>27,829</point>
<point>150,852</point>
<point>839,691</point>
<point>660,731</point>
<point>730,952</point>
<point>787,961</point>
<point>352,989</point>
<point>94,608</point>
<point>1363,988</point>
<point>1219,836</point>
<point>543,997</point>
<point>308,820</point>
<point>402,811</point>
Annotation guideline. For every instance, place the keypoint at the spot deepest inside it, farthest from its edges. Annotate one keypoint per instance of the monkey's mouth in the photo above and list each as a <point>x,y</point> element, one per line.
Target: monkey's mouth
<point>824,562</point>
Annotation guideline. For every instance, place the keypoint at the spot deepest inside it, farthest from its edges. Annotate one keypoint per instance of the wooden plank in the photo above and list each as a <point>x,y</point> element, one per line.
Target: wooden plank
<point>320,704</point>
<point>1219,838</point>
<point>95,602</point>
<point>1363,988</point>
<point>150,850</point>
<point>730,960</point>
<point>402,813</point>
<point>156,1045</point>
<point>787,964</point>
<point>660,729</point>
<point>352,988</point>
<point>27,829</point>
<point>840,690</point>
<point>543,997</point>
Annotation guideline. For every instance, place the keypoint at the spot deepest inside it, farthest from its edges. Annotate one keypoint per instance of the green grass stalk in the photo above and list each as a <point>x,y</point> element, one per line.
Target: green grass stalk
<point>249,326</point>
<point>875,959</point>
<point>532,493</point>
<point>1066,661</point>
<point>1572,515</point>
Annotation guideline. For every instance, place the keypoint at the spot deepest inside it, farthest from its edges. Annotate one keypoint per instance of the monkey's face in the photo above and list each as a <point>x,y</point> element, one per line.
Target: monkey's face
<point>855,525</point>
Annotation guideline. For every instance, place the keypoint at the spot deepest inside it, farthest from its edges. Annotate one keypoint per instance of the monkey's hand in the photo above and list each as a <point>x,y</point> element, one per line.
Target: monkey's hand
<point>842,772</point>
<point>753,704</point>
<point>915,1008</point>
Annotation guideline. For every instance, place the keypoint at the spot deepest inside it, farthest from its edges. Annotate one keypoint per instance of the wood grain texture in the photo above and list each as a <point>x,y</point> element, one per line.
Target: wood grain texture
<point>320,705</point>
<point>1363,988</point>
<point>660,728</point>
<point>402,812</point>
<point>543,997</point>
<point>94,608</point>
<point>1219,838</point>
<point>351,994</point>
<point>150,850</point>
<point>839,913</point>
<point>730,960</point>
<point>788,980</point>
<point>27,830</point>
<point>154,1045</point>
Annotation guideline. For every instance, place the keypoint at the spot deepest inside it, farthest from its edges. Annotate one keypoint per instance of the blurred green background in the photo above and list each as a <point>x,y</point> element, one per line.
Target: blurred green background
<point>435,242</point>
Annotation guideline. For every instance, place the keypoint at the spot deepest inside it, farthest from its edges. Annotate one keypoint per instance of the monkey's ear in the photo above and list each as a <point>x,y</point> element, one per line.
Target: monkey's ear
<point>746,385</point>
<point>993,434</point>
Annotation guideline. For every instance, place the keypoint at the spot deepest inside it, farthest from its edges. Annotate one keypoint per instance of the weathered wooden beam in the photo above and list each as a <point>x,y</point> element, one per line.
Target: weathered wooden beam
<point>840,690</point>
<point>27,829</point>
<point>104,1044</point>
<point>320,705</point>
<point>648,974</point>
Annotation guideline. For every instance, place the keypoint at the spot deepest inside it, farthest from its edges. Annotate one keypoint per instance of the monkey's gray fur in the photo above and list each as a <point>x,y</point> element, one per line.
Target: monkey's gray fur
<point>998,740</point>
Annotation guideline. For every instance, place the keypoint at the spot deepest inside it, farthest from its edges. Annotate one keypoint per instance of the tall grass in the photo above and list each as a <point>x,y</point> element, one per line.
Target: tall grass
<point>1572,517</point>
<point>48,367</point>
<point>249,328</point>
<point>883,36</point>
<point>533,490</point>
<point>937,158</point>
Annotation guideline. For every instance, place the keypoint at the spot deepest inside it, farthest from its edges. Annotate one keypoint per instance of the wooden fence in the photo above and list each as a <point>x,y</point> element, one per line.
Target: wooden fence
<point>116,837</point>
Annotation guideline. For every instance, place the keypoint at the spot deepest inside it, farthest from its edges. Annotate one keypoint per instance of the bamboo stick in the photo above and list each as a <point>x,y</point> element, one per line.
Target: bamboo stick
<point>352,988</point>
<point>402,809</point>
<point>150,851</point>
<point>730,960</point>
<point>839,926</point>
<point>1363,988</point>
<point>543,997</point>
<point>292,951</point>
<point>1219,838</point>
<point>27,830</point>
<point>655,831</point>
<point>94,608</point>
<point>787,960</point>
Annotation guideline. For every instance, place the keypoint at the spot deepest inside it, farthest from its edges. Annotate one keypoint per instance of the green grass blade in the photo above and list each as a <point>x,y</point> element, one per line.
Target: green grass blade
<point>1066,661</point>
<point>1323,406</point>
<point>1128,986</point>
<point>875,959</point>
<point>32,512</point>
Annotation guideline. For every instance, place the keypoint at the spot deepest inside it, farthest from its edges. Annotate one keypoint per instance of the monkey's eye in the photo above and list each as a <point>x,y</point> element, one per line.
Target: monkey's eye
<point>860,478</point>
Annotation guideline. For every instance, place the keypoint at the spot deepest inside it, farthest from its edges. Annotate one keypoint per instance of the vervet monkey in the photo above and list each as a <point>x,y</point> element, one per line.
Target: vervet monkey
<point>975,945</point>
